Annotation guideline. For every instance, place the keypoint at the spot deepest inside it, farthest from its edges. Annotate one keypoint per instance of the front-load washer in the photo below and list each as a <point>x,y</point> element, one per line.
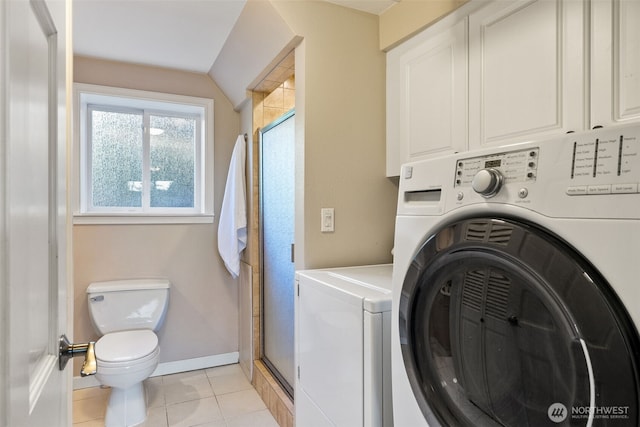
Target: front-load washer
<point>516,285</point>
<point>342,347</point>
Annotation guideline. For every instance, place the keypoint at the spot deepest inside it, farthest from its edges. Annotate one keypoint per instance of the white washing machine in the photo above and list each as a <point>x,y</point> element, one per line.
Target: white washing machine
<point>516,285</point>
<point>342,347</point>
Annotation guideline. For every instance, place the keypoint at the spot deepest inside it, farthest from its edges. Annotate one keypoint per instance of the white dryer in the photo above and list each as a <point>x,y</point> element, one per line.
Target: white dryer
<point>516,285</point>
<point>342,347</point>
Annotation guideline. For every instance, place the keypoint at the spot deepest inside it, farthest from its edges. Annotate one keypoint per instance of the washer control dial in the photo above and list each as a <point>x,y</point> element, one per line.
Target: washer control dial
<point>487,182</point>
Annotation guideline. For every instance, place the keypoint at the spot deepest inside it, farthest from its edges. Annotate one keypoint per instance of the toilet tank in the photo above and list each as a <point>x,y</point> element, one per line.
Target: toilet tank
<point>121,305</point>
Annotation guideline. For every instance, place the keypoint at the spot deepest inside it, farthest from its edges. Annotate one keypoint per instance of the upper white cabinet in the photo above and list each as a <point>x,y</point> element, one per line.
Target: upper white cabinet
<point>427,96</point>
<point>499,72</point>
<point>526,71</point>
<point>615,62</point>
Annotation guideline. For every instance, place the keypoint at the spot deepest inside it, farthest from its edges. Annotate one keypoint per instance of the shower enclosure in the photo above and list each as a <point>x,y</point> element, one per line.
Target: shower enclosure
<point>277,157</point>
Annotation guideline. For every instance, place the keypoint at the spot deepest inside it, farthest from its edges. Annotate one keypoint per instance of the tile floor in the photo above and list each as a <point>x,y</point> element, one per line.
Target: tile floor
<point>215,397</point>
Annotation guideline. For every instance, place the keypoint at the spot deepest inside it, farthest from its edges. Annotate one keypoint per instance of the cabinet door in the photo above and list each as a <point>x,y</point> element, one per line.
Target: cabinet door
<point>527,73</point>
<point>426,96</point>
<point>615,62</point>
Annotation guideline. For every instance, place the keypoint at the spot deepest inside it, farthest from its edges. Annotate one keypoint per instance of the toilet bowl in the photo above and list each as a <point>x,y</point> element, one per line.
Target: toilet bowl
<point>125,359</point>
<point>127,313</point>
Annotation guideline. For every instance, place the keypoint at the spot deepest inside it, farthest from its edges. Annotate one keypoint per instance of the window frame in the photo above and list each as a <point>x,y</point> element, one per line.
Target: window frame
<point>86,97</point>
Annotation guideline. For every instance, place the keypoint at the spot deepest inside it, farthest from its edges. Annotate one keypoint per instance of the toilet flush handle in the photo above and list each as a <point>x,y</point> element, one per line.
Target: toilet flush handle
<point>68,350</point>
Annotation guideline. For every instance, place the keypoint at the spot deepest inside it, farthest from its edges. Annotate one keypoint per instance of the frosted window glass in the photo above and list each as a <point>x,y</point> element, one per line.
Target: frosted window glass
<point>173,143</point>
<point>116,159</point>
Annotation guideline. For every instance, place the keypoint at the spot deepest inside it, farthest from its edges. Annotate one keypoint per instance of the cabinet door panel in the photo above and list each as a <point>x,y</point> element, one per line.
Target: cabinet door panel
<point>427,97</point>
<point>615,62</point>
<point>435,94</point>
<point>627,60</point>
<point>526,71</point>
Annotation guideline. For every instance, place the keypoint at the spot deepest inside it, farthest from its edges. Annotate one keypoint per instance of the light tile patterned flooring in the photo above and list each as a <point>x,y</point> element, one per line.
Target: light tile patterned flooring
<point>215,397</point>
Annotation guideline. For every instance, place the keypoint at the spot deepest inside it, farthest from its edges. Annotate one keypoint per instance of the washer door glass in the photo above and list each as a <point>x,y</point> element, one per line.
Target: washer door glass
<point>503,324</point>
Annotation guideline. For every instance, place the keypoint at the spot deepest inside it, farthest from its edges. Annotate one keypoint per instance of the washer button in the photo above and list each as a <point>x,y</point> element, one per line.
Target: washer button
<point>599,189</point>
<point>523,192</point>
<point>624,188</point>
<point>408,172</point>
<point>460,195</point>
<point>577,190</point>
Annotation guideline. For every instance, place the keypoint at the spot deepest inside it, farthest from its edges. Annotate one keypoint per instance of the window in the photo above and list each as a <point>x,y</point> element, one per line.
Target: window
<point>143,156</point>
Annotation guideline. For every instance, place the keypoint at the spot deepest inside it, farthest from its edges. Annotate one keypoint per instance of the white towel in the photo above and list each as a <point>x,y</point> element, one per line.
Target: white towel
<point>232,229</point>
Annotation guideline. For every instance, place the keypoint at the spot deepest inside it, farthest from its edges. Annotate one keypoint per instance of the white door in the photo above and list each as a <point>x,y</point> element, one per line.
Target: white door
<point>33,254</point>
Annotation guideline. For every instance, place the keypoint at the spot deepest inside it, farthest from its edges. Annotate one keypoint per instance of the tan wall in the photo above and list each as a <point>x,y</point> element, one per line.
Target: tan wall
<point>407,18</point>
<point>203,312</point>
<point>341,109</point>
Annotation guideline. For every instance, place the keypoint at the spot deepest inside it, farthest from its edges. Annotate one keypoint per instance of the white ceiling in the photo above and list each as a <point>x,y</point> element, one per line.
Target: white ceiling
<point>180,34</point>
<point>371,6</point>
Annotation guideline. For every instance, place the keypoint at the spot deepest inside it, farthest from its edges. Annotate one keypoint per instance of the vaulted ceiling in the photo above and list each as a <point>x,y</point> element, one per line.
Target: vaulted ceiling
<point>181,34</point>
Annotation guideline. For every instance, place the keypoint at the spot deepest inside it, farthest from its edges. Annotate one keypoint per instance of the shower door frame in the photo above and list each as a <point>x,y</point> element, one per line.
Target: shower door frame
<point>286,386</point>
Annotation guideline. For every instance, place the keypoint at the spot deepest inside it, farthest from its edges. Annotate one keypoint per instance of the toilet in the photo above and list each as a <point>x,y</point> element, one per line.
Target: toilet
<point>126,314</point>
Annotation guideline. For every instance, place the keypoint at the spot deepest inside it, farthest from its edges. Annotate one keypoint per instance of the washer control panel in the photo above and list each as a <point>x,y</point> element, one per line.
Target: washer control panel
<point>512,166</point>
<point>590,174</point>
<point>593,163</point>
<point>606,165</point>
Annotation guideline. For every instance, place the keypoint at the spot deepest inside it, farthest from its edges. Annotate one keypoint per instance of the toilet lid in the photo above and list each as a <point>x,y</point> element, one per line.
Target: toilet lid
<point>124,346</point>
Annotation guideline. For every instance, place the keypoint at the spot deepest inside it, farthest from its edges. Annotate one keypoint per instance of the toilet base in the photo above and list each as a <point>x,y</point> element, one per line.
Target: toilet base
<point>127,407</point>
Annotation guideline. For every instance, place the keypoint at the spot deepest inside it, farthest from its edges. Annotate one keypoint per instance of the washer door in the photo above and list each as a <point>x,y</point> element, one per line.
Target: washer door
<point>503,324</point>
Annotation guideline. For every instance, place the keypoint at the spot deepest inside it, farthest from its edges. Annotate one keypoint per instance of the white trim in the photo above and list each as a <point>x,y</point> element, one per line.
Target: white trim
<point>4,255</point>
<point>167,368</point>
<point>141,219</point>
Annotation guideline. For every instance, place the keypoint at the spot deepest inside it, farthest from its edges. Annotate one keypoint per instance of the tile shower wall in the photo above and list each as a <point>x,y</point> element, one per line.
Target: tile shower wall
<point>275,399</point>
<point>269,106</point>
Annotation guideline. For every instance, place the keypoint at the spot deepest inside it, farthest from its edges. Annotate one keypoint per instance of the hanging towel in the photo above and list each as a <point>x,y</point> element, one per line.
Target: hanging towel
<point>232,228</point>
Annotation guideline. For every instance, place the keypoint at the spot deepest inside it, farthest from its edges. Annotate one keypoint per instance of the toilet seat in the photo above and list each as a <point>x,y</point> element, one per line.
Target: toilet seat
<point>125,347</point>
<point>118,367</point>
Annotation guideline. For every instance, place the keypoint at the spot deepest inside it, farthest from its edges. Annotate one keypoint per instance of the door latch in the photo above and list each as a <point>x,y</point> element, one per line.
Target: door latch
<point>68,350</point>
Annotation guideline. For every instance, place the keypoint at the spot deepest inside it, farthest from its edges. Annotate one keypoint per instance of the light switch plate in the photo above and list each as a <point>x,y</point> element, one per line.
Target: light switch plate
<point>327,220</point>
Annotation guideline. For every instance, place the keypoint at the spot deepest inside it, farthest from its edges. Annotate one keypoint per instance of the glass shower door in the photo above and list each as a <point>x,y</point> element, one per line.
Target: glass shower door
<point>277,228</point>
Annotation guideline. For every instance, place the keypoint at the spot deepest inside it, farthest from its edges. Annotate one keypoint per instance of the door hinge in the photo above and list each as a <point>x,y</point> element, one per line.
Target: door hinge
<point>298,371</point>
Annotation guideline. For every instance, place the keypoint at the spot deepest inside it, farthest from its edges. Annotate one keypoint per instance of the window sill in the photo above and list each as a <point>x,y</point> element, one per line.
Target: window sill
<point>89,219</point>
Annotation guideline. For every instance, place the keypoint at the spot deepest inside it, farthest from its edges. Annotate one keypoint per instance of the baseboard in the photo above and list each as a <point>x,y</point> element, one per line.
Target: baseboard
<point>173,367</point>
